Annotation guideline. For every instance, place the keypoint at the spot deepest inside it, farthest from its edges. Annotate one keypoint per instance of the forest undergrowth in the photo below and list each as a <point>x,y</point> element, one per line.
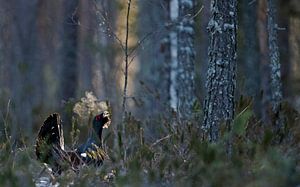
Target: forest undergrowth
<point>174,155</point>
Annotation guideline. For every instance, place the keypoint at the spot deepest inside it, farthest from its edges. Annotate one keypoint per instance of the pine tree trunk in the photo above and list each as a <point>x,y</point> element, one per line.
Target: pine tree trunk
<point>186,58</point>
<point>264,64</point>
<point>220,85</point>
<point>276,90</point>
<point>251,53</point>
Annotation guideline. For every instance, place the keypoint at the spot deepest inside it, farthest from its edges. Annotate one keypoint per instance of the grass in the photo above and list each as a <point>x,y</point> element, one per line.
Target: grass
<point>175,156</point>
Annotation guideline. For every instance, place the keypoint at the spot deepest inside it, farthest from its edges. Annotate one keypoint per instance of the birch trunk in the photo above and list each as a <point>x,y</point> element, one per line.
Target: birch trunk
<point>174,56</point>
<point>186,59</point>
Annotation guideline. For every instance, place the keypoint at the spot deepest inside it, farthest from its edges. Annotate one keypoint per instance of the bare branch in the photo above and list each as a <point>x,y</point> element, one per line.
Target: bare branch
<point>126,57</point>
<point>160,140</point>
<point>108,30</point>
<point>139,43</point>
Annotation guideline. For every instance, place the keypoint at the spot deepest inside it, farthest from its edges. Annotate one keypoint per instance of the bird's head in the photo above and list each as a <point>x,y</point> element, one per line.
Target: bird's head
<point>101,121</point>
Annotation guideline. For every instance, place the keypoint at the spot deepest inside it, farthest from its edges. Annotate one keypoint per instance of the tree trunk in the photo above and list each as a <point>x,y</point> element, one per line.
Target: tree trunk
<point>186,59</point>
<point>202,50</point>
<point>69,65</point>
<point>174,56</point>
<point>153,54</point>
<point>86,33</point>
<point>251,53</point>
<point>264,63</point>
<point>294,45</point>
<point>220,85</point>
<point>252,84</point>
<point>22,55</point>
<point>276,90</point>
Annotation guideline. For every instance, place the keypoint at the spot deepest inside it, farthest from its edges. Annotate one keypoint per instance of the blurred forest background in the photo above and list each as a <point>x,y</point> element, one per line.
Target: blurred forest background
<point>53,52</point>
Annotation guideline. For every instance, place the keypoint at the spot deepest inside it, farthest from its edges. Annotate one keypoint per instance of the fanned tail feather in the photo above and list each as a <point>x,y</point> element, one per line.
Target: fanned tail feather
<point>50,141</point>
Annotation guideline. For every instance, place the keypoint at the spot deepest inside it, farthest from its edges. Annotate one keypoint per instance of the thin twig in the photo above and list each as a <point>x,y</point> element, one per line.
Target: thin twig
<point>160,140</point>
<point>108,30</point>
<point>126,52</point>
<point>139,43</point>
<point>251,2</point>
<point>126,58</point>
<point>200,10</point>
<point>5,119</point>
<point>40,174</point>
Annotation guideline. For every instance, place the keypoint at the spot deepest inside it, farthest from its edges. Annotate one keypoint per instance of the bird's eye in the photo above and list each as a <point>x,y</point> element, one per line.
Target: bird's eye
<point>105,114</point>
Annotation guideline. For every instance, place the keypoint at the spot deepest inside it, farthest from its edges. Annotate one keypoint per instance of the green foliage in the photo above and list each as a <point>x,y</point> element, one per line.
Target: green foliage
<point>240,122</point>
<point>178,157</point>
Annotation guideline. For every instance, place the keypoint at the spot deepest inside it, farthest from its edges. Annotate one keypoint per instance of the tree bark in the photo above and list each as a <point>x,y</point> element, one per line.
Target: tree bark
<point>186,60</point>
<point>264,63</point>
<point>220,84</point>
<point>276,86</point>
<point>174,56</point>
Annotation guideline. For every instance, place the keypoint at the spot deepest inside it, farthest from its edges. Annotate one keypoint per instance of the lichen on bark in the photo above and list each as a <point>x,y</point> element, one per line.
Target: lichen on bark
<point>221,81</point>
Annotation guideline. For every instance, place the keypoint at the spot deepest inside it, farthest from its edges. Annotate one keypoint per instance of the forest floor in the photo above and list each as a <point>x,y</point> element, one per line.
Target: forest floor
<point>177,157</point>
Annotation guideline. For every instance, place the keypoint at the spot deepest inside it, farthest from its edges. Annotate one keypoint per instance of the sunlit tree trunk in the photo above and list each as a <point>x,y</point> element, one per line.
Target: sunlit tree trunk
<point>186,60</point>
<point>174,56</point>
<point>165,71</point>
<point>283,17</point>
<point>294,45</point>
<point>220,85</point>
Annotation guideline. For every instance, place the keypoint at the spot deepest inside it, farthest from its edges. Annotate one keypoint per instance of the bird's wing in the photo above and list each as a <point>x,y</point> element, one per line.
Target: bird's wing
<point>93,155</point>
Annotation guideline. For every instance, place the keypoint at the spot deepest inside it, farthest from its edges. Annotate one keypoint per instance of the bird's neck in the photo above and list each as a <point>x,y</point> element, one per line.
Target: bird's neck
<point>96,136</point>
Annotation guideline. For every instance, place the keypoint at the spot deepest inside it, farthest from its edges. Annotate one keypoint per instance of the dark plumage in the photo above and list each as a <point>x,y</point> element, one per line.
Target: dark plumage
<point>50,145</point>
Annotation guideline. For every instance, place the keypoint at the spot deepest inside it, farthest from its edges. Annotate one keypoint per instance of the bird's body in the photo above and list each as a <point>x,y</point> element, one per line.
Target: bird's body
<point>50,145</point>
